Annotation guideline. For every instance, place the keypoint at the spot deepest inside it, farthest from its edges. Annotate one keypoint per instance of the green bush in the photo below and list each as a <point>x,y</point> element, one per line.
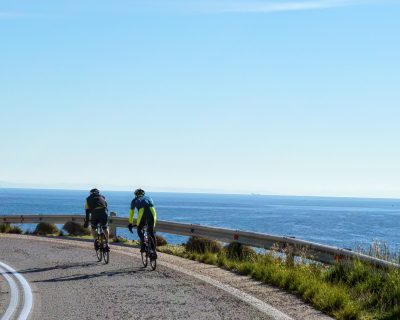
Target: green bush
<point>202,245</point>
<point>238,251</point>
<point>75,229</point>
<point>374,289</point>
<point>44,228</point>
<point>390,293</point>
<point>15,230</point>
<point>161,241</point>
<point>7,228</point>
<point>4,228</point>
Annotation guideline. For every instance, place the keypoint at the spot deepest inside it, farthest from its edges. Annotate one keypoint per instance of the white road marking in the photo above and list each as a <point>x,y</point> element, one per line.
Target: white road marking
<point>14,297</point>
<point>28,298</point>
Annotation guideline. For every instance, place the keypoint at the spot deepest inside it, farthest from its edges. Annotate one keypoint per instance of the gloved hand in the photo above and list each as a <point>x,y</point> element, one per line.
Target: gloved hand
<point>130,226</point>
<point>86,223</point>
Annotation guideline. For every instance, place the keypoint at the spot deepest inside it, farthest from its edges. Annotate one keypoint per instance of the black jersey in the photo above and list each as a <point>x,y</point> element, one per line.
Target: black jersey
<point>95,202</point>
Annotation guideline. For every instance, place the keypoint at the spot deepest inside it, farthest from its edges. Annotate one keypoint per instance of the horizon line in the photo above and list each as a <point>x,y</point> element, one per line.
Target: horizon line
<point>255,194</point>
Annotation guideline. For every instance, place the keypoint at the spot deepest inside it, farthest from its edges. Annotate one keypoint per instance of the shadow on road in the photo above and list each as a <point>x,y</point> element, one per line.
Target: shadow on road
<point>77,277</point>
<point>60,267</point>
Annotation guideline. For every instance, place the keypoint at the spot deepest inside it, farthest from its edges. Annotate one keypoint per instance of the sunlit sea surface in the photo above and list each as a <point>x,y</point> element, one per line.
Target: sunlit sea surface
<point>341,222</point>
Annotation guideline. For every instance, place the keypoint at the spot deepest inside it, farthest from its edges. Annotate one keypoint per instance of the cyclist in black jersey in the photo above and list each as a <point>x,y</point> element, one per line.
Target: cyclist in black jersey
<point>96,209</point>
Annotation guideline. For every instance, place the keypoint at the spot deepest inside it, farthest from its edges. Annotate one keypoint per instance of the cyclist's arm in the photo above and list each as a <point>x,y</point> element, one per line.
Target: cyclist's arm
<point>131,215</point>
<point>105,201</point>
<point>154,213</point>
<point>152,210</point>
<point>87,211</point>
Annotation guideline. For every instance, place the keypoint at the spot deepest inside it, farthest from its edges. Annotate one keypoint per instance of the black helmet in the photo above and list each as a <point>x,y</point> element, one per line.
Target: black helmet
<point>94,191</point>
<point>139,192</point>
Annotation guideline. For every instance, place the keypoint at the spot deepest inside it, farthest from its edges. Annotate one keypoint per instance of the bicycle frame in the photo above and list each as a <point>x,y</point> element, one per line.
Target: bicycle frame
<point>101,238</point>
<point>99,230</point>
<point>149,254</point>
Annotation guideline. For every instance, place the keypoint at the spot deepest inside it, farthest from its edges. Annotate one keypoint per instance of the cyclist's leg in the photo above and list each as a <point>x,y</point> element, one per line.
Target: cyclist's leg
<point>106,236</point>
<point>106,233</point>
<point>93,224</point>
<point>150,227</point>
<point>140,224</point>
<point>103,220</point>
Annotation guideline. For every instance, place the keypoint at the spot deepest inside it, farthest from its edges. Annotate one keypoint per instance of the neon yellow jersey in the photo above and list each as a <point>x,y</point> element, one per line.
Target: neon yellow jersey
<point>144,205</point>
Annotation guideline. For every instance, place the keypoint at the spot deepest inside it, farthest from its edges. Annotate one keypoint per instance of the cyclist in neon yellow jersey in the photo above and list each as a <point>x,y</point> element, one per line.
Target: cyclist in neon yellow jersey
<point>146,214</point>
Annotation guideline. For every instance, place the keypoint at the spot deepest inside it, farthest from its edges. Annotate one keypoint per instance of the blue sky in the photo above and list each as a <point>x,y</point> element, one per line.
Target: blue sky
<point>273,97</point>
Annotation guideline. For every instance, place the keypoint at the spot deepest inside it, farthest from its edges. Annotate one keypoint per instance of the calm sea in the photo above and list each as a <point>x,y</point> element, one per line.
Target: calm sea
<point>341,222</point>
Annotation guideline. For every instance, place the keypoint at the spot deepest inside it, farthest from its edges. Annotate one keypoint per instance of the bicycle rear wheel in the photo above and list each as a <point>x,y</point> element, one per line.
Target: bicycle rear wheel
<point>153,254</point>
<point>98,251</point>
<point>106,253</point>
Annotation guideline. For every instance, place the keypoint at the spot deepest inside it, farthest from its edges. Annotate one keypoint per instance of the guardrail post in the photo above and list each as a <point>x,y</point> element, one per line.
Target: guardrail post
<point>113,228</point>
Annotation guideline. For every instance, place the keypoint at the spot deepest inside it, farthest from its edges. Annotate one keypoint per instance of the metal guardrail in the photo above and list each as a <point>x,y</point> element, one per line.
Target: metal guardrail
<point>288,245</point>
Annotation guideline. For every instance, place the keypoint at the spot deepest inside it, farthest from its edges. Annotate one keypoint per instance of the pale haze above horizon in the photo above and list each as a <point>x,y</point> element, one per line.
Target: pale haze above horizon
<point>270,97</point>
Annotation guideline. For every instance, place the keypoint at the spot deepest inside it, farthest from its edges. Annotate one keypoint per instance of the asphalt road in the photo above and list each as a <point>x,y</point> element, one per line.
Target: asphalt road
<point>68,283</point>
<point>4,296</point>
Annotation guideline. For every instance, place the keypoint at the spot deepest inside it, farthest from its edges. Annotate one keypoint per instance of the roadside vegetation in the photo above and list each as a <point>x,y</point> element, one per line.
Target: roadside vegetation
<point>9,228</point>
<point>75,229</point>
<point>352,290</point>
<point>380,250</point>
<point>44,228</point>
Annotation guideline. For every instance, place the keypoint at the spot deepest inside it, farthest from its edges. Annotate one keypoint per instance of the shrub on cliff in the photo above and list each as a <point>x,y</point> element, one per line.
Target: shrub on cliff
<point>161,241</point>
<point>75,229</point>
<point>238,251</point>
<point>7,228</point>
<point>202,245</point>
<point>44,228</point>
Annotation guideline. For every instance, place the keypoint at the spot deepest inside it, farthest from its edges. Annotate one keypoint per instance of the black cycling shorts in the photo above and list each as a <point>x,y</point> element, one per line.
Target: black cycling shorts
<point>99,218</point>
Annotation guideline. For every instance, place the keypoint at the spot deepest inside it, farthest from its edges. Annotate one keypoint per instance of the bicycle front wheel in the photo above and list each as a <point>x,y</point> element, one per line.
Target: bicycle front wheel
<point>153,254</point>
<point>145,257</point>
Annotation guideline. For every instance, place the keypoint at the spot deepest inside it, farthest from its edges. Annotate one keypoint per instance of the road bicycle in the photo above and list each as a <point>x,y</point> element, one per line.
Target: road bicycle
<point>149,254</point>
<point>102,250</point>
